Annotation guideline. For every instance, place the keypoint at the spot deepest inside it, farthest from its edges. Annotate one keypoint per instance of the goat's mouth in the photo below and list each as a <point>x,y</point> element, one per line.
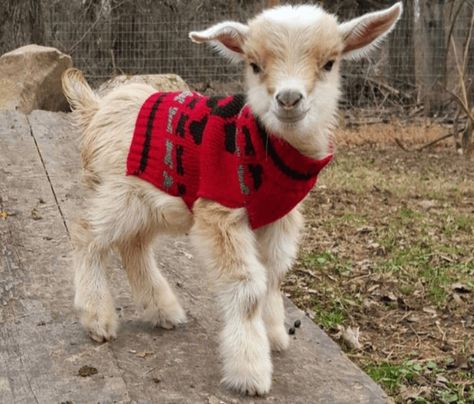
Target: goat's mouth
<point>290,118</point>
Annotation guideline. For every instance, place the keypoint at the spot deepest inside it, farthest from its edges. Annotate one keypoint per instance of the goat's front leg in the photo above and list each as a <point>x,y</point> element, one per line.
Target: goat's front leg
<point>278,244</point>
<point>227,246</point>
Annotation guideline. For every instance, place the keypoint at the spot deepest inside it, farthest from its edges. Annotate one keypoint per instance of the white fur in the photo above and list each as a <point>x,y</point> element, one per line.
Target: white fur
<point>355,28</point>
<point>294,16</point>
<point>126,214</point>
<point>312,135</point>
<point>234,30</point>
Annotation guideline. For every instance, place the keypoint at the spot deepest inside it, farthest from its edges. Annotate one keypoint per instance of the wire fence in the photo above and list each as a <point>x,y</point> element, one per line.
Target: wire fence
<point>144,37</point>
<point>410,71</point>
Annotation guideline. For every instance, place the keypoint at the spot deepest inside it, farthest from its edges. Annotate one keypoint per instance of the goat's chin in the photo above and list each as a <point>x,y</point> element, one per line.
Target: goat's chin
<point>284,126</point>
<point>309,135</point>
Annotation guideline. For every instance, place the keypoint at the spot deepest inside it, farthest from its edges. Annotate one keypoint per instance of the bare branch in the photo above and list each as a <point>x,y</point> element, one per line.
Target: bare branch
<point>450,33</point>
<point>459,68</point>
<point>431,143</point>
<point>463,105</point>
<point>466,45</point>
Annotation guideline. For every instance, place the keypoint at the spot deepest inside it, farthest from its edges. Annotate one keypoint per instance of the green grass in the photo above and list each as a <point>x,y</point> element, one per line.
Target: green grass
<point>392,376</point>
<point>318,260</point>
<point>325,260</point>
<point>330,318</point>
<point>415,260</point>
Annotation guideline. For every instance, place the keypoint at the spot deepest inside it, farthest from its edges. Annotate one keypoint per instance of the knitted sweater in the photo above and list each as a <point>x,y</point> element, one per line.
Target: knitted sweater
<point>193,146</point>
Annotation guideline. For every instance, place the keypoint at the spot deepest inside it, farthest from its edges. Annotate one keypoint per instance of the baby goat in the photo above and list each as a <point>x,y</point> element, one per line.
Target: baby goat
<point>241,183</point>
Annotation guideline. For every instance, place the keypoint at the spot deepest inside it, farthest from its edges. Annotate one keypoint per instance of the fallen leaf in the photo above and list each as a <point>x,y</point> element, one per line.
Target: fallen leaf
<point>413,319</point>
<point>441,380</point>
<point>87,371</point>
<point>402,304</point>
<point>35,214</point>
<point>457,299</point>
<point>379,249</point>
<point>446,347</point>
<point>214,400</point>
<point>372,288</point>
<point>187,255</point>
<point>365,229</point>
<point>447,259</point>
<point>388,297</point>
<point>3,214</point>
<point>427,204</point>
<point>430,310</point>
<point>350,336</point>
<point>413,393</point>
<point>461,362</point>
<point>144,354</point>
<point>368,304</point>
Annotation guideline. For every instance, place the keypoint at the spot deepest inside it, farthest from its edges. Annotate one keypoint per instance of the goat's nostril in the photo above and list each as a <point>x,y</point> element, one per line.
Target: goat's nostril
<point>289,98</point>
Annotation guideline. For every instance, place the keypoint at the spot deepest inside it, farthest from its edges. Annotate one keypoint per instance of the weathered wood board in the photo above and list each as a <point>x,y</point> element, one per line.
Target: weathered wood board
<point>42,345</point>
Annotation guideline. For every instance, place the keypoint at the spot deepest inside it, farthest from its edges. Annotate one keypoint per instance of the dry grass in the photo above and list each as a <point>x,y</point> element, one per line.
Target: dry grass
<point>385,134</point>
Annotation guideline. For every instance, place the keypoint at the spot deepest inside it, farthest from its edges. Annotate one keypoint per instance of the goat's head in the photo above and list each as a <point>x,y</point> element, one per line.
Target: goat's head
<point>292,56</point>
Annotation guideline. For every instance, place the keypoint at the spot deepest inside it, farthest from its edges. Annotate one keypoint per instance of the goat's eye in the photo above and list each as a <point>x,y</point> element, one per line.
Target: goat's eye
<point>256,68</point>
<point>328,66</point>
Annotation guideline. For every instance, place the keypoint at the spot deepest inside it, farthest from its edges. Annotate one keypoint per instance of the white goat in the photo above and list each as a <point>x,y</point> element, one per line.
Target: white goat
<point>292,56</point>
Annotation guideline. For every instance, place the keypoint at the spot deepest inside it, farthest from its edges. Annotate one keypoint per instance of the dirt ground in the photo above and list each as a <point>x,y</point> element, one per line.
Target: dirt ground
<point>387,263</point>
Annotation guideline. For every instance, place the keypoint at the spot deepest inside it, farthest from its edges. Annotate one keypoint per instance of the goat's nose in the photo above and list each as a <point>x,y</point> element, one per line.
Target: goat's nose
<point>289,99</point>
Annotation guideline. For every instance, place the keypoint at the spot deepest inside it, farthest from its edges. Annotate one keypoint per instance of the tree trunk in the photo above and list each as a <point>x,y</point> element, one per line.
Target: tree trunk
<point>433,53</point>
<point>21,23</point>
<point>401,50</point>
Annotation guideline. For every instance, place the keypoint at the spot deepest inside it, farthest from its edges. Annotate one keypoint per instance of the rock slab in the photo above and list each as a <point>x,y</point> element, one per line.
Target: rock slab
<point>30,78</point>
<point>161,82</point>
<point>45,355</point>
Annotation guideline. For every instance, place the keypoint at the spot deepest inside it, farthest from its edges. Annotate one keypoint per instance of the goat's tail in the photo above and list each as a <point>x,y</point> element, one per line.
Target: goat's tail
<point>83,101</point>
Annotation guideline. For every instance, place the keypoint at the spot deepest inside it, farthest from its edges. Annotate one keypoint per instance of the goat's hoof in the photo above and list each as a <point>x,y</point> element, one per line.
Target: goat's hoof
<point>251,385</point>
<point>253,378</point>
<point>100,327</point>
<point>278,338</point>
<point>166,317</point>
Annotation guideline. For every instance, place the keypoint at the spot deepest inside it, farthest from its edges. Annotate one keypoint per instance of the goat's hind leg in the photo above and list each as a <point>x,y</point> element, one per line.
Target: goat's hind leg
<point>93,299</point>
<point>149,287</point>
<point>278,244</point>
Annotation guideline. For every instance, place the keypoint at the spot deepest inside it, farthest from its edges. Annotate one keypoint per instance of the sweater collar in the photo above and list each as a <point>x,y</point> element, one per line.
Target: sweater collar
<point>287,158</point>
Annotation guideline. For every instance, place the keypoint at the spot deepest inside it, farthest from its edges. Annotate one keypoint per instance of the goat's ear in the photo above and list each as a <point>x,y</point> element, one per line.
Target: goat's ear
<point>364,33</point>
<point>227,37</point>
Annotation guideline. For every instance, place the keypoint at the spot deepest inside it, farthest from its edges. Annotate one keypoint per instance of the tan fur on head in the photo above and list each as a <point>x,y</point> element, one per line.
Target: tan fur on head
<point>285,50</point>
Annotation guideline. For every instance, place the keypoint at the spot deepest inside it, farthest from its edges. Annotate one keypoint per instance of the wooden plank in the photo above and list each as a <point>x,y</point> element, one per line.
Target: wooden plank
<point>185,360</point>
<point>41,347</point>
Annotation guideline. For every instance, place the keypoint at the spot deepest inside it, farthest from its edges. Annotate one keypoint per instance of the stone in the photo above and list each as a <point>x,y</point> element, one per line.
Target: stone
<point>30,78</point>
<point>161,82</point>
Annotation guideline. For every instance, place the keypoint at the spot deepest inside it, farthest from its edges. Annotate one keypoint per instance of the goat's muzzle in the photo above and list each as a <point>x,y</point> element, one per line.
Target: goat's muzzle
<point>288,99</point>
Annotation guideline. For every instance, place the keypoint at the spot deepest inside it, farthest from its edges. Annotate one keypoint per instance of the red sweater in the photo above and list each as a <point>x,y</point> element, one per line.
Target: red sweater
<point>193,146</point>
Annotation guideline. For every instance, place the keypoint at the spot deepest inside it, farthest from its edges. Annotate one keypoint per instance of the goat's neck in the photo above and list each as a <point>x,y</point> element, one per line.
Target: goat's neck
<point>315,143</point>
